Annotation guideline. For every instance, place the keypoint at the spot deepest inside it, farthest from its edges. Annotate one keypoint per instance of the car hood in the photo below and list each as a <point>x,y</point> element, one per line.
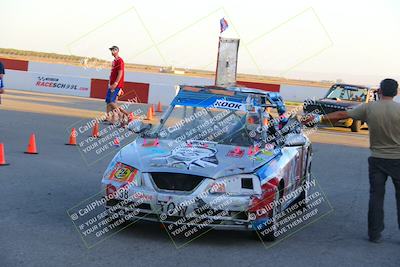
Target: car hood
<point>200,158</point>
<point>341,103</point>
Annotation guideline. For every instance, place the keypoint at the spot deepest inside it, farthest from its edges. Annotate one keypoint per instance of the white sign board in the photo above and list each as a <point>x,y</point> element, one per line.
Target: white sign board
<point>45,83</point>
<point>225,75</point>
<point>63,85</point>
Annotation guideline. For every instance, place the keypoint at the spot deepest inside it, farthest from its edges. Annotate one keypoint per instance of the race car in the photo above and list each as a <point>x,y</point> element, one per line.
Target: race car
<point>229,157</point>
<point>342,97</point>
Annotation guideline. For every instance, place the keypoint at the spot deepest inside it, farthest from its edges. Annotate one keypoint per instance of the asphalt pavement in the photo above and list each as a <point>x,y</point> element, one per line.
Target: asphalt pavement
<point>37,191</point>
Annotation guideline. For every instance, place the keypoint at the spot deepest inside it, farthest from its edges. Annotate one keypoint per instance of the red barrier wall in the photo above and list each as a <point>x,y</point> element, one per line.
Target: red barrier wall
<point>15,64</point>
<point>132,90</point>
<point>262,86</point>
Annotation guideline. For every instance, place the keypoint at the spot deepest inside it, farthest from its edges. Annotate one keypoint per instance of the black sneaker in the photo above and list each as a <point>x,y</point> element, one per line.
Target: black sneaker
<point>375,239</point>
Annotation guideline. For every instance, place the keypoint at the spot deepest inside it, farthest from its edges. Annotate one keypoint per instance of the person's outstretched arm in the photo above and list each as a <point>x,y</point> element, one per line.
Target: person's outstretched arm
<point>358,113</point>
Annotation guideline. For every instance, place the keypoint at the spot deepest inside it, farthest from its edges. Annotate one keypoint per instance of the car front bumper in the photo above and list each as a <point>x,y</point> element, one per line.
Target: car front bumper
<point>229,214</point>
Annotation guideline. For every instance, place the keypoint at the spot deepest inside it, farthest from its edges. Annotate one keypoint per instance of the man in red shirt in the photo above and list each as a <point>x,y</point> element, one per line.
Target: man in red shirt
<point>116,85</point>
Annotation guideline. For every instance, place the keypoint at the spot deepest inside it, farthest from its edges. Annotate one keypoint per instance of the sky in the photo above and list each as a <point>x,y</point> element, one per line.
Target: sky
<point>355,41</point>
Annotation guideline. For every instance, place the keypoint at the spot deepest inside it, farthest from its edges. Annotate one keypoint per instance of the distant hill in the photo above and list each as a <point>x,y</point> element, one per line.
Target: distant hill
<point>93,62</point>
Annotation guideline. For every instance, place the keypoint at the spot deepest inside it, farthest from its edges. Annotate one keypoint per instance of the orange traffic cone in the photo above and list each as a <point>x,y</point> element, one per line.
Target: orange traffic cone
<point>31,149</point>
<point>95,132</point>
<point>149,114</point>
<point>159,107</point>
<point>72,138</point>
<point>2,156</point>
<point>153,113</point>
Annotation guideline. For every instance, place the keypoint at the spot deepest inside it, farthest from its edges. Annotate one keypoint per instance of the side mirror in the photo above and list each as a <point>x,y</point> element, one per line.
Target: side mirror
<point>295,140</point>
<point>139,126</point>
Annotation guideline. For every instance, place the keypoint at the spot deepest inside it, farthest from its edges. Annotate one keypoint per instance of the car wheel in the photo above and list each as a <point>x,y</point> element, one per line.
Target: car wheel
<point>273,224</point>
<point>356,126</point>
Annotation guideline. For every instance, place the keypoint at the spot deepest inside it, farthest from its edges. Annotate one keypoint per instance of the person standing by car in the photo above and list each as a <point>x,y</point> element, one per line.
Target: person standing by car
<point>383,118</point>
<point>2,73</point>
<point>116,85</point>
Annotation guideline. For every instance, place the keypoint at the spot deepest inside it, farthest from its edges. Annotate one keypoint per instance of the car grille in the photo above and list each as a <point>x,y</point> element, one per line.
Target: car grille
<point>176,181</point>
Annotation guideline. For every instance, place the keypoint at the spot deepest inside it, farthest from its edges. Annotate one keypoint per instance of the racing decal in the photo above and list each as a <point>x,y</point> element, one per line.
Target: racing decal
<point>262,206</point>
<point>123,173</point>
<point>133,196</point>
<point>253,151</point>
<point>187,157</point>
<point>236,153</point>
<point>53,82</point>
<point>155,143</point>
<point>256,158</point>
<point>142,196</point>
<point>222,103</point>
<point>171,208</point>
<point>267,152</point>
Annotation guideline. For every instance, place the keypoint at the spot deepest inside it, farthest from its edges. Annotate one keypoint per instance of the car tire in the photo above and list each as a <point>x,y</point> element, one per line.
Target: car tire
<point>273,224</point>
<point>356,126</point>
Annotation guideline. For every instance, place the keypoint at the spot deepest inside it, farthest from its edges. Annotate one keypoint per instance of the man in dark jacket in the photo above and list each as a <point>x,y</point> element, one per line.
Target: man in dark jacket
<point>383,118</point>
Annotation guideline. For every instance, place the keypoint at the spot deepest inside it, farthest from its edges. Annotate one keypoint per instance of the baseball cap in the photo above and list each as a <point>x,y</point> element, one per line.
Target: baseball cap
<point>114,47</point>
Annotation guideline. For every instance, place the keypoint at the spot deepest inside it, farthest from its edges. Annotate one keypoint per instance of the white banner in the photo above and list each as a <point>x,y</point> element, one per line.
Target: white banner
<point>45,83</point>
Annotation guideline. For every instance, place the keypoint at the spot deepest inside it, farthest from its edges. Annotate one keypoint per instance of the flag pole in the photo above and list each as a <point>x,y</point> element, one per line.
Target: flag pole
<point>216,68</point>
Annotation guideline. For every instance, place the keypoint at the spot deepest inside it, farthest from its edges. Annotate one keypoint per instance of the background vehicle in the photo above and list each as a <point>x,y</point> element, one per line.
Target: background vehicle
<point>342,97</point>
<point>234,143</point>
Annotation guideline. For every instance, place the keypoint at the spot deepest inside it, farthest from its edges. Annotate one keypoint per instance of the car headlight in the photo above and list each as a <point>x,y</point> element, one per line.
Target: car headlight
<point>236,185</point>
<point>124,174</point>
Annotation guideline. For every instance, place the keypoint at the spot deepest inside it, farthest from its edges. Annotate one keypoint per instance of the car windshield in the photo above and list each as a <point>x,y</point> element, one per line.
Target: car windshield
<point>222,126</point>
<point>348,93</point>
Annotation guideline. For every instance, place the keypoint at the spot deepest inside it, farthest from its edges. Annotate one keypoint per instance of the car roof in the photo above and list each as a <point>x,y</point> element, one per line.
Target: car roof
<point>204,96</point>
<point>351,85</point>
